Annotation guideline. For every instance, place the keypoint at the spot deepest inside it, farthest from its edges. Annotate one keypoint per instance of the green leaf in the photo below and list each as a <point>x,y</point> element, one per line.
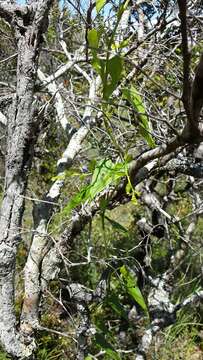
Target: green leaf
<point>92,165</point>
<point>122,8</point>
<point>89,357</point>
<point>117,226</point>
<point>136,101</point>
<point>98,65</point>
<point>137,296</point>
<point>78,199</point>
<point>132,288</point>
<point>110,72</point>
<point>128,188</point>
<point>101,341</point>
<point>122,44</point>
<point>114,67</point>
<point>131,191</point>
<point>128,158</point>
<point>100,4</point>
<point>147,136</point>
<point>133,198</point>
<point>93,38</point>
<point>105,173</point>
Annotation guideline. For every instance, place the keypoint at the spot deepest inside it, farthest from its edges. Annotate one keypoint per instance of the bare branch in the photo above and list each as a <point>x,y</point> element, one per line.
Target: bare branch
<point>186,59</point>
<point>197,93</point>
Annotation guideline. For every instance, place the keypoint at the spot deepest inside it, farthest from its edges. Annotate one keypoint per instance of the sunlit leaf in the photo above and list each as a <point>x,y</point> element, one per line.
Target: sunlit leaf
<point>100,4</point>
<point>122,8</point>
<point>93,38</point>
<point>78,199</point>
<point>136,101</point>
<point>132,288</point>
<point>128,188</point>
<point>134,199</point>
<point>121,45</point>
<point>105,173</point>
<point>137,296</point>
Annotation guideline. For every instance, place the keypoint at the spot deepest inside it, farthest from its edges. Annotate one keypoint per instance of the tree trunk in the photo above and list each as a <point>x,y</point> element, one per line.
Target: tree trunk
<point>22,131</point>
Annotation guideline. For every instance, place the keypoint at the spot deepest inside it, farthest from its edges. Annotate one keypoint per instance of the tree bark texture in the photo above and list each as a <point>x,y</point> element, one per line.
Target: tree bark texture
<point>22,132</point>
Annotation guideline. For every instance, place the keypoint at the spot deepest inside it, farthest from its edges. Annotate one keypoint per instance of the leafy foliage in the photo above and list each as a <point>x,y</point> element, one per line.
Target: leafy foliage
<point>105,173</point>
<point>135,100</point>
<point>132,288</point>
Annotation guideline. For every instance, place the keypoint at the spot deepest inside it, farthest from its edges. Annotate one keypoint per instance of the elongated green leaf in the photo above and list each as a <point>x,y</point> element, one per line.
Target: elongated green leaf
<point>116,225</point>
<point>132,288</point>
<point>105,173</point>
<point>78,199</point>
<point>144,132</point>
<point>101,178</point>
<point>100,4</point>
<point>114,67</point>
<point>136,101</point>
<point>122,8</point>
<point>98,65</point>
<point>100,168</point>
<point>93,38</point>
<point>101,341</point>
<point>137,296</point>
